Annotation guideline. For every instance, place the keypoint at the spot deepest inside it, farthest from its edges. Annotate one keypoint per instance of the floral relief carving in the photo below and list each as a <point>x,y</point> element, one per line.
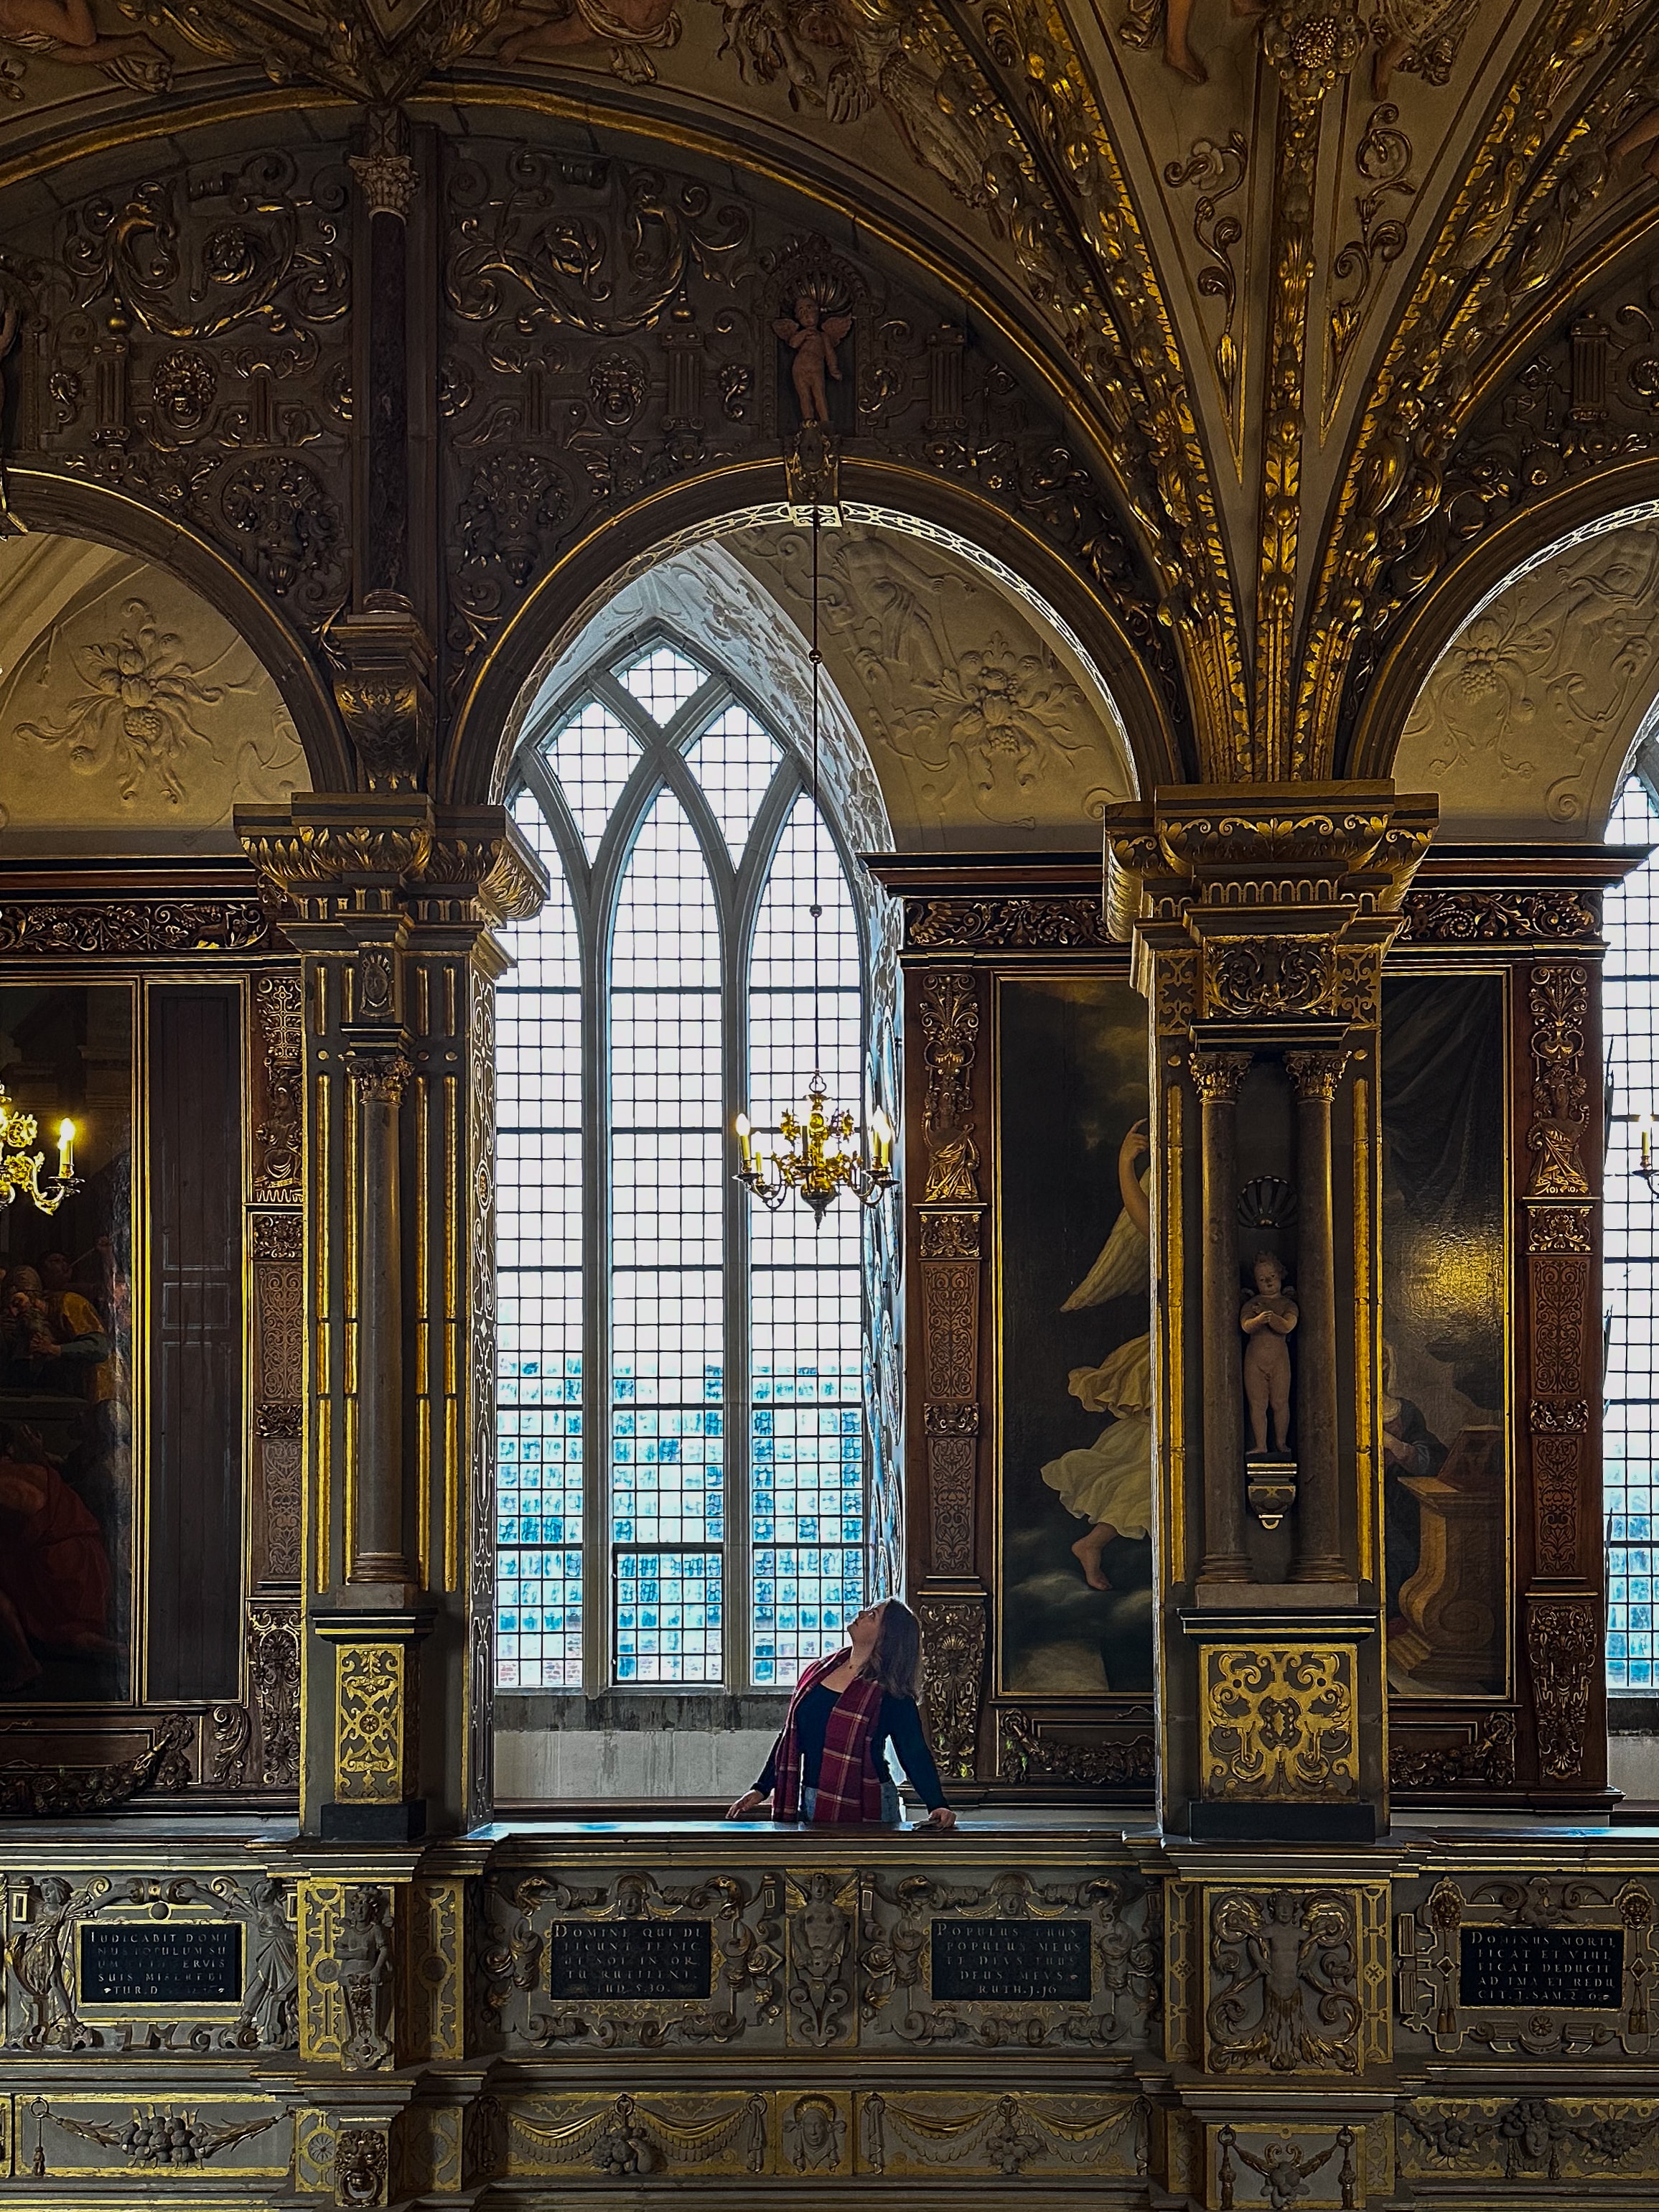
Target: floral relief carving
<point>1564,1649</point>
<point>1542,684</point>
<point>137,708</point>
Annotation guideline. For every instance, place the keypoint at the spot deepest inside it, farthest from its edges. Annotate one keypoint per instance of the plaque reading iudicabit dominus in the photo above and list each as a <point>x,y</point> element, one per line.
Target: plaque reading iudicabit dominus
<point>1542,1968</point>
<point>179,1962</point>
<point>642,1959</point>
<point>1012,1961</point>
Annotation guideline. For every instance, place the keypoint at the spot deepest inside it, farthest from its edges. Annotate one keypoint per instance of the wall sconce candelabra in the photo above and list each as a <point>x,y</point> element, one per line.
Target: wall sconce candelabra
<point>818,1158</point>
<point>19,1168</point>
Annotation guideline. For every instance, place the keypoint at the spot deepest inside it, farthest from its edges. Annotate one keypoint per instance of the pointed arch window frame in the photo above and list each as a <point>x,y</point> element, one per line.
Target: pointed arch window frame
<point>594,889</point>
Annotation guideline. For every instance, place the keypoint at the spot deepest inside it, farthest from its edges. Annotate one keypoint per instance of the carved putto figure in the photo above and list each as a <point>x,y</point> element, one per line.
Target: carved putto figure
<point>1266,1317</point>
<point>812,337</point>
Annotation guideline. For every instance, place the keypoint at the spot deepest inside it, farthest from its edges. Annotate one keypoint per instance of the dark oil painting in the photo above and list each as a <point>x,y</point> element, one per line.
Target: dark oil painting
<point>1444,1367</point>
<point>1075,1300</point>
<point>66,1400</point>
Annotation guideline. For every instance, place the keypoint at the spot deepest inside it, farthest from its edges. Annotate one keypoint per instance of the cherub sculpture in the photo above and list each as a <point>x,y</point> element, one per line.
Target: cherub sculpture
<point>1283,2169</point>
<point>812,337</point>
<point>1266,1317</point>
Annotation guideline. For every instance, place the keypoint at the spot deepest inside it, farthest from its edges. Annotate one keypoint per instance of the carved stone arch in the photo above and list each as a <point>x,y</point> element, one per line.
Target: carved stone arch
<point>45,500</point>
<point>1610,500</point>
<point>563,601</point>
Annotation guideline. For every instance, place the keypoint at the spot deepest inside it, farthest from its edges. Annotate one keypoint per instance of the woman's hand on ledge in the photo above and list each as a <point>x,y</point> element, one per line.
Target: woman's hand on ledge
<point>750,1802</point>
<point>941,1818</point>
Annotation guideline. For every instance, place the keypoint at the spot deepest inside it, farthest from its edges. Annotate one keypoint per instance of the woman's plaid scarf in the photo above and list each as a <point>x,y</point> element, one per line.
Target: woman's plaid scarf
<point>849,1788</point>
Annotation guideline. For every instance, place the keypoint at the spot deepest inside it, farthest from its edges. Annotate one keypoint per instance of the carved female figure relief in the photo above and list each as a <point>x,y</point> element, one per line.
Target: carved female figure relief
<point>812,337</point>
<point>1266,1317</point>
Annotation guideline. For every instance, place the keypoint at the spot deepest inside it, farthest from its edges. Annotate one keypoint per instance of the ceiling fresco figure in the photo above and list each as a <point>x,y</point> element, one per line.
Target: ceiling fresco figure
<point>67,31</point>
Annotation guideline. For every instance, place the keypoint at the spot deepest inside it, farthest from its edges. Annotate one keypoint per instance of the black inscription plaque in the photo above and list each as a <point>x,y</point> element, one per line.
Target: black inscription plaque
<point>1580,1968</point>
<point>1012,1961</point>
<point>638,1959</point>
<point>180,1962</point>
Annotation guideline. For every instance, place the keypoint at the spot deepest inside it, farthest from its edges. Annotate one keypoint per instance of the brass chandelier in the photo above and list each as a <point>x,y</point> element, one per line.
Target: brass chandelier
<point>20,1167</point>
<point>818,1156</point>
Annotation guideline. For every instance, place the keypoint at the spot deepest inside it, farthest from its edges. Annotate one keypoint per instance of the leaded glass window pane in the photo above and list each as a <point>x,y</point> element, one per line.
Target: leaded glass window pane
<point>1631,1447</point>
<point>808,1450</point>
<point>734,760</point>
<point>592,756</point>
<point>663,680</point>
<point>539,1391</point>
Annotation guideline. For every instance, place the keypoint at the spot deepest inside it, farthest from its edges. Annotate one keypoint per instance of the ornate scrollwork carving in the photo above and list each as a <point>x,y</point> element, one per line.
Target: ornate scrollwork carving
<point>1563,1650</point>
<point>161,926</point>
<point>953,1644</point>
<point>1026,1754</point>
<point>821,1957</point>
<point>1279,1721</point>
<point>1284,1980</point>
<point>1461,917</point>
<point>1005,924</point>
<point>1488,1758</point>
<point>273,1661</point>
<point>900,1921</point>
<point>277,1003</point>
<point>38,1792</point>
<point>949,1029</point>
<point>1265,978</point>
<point>1559,999</point>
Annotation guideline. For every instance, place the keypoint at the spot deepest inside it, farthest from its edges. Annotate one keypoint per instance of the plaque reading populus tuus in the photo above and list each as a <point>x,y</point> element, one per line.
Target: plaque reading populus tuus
<point>180,1962</point>
<point>1575,1969</point>
<point>1012,1961</point>
<point>644,1961</point>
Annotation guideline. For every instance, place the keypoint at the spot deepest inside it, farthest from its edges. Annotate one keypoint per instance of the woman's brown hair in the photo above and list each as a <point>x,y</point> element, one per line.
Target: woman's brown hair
<point>895,1663</point>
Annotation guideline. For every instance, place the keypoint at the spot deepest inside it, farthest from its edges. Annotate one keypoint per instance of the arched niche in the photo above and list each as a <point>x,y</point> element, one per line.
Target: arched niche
<point>133,717</point>
<point>1527,718</point>
<point>994,714</point>
<point>63,505</point>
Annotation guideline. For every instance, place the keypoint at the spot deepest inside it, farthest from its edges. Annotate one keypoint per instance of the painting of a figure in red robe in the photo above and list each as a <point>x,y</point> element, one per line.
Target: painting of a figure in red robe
<point>66,1421</point>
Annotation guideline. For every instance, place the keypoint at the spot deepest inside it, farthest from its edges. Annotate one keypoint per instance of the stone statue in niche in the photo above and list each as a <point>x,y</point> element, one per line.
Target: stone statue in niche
<point>812,337</point>
<point>1267,1316</point>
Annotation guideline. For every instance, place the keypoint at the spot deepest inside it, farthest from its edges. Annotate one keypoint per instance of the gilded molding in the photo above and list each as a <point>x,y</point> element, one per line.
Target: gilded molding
<point>171,926</point>
<point>1484,917</point>
<point>1485,1758</point>
<point>1024,925</point>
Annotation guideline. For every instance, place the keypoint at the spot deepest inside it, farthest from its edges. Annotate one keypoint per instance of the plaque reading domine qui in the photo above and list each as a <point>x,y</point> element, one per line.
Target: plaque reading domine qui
<point>1011,1962</point>
<point>174,1962</point>
<point>1552,1969</point>
<point>644,1961</point>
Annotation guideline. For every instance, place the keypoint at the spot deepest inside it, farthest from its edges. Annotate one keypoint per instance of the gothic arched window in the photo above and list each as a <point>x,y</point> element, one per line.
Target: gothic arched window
<point>684,1442</point>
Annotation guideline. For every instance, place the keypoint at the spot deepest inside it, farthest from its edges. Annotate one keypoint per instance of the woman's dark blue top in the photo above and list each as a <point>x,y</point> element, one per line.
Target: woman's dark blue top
<point>898,1723</point>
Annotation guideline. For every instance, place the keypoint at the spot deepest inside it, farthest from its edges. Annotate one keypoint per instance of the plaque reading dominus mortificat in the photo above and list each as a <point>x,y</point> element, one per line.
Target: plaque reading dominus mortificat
<point>1012,1961</point>
<point>618,1960</point>
<point>1543,1968</point>
<point>177,1962</point>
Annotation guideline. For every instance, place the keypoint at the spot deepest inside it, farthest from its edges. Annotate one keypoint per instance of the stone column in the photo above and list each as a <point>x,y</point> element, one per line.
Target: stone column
<point>1319,1552</point>
<point>1219,1077</point>
<point>389,902</point>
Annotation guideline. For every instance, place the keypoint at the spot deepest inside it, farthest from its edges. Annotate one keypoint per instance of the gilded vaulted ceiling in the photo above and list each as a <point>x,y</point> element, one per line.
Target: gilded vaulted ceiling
<point>1302,320</point>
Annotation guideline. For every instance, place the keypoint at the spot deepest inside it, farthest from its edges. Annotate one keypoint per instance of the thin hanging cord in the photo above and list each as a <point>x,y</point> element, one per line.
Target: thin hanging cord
<point>817,911</point>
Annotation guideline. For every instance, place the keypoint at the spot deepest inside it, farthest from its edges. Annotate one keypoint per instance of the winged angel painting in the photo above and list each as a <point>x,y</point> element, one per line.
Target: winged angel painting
<point>1076,1350</point>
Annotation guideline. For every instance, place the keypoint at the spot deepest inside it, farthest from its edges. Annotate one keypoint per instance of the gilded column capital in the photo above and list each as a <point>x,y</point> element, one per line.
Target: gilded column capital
<point>1219,1076</point>
<point>380,1079</point>
<point>1199,850</point>
<point>325,850</point>
<point>1316,1074</point>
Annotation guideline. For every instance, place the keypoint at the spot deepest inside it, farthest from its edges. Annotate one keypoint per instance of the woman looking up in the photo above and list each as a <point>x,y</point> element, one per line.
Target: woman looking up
<point>829,1762</point>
